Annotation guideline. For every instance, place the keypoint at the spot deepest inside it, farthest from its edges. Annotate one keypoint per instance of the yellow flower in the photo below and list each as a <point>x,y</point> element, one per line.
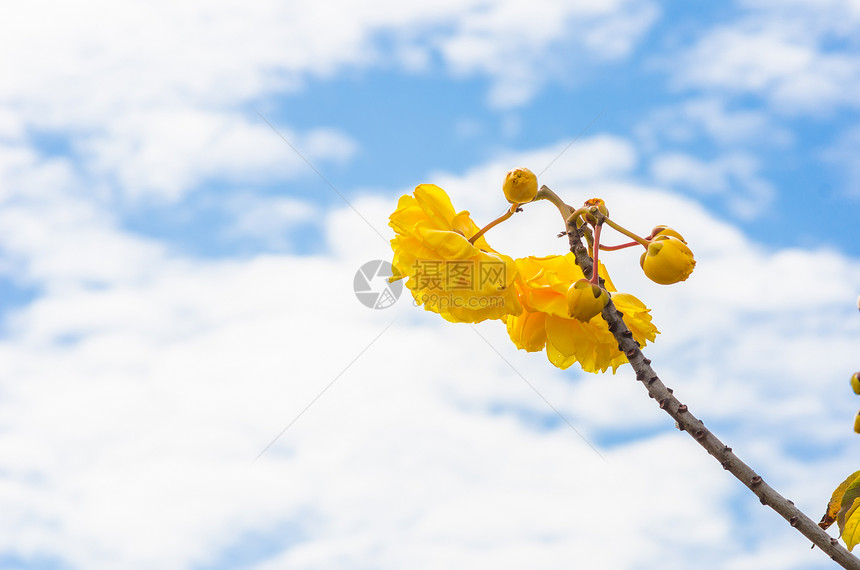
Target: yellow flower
<point>668,259</point>
<point>447,274</point>
<point>546,321</point>
<point>520,186</point>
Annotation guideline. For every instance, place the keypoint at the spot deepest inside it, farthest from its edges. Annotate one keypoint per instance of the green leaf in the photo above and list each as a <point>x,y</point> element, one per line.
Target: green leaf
<point>835,504</point>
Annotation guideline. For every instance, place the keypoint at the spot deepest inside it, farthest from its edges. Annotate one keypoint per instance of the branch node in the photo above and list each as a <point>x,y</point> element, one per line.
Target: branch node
<point>671,391</point>
<point>727,449</point>
<point>682,408</point>
<point>755,481</point>
<point>700,434</point>
<point>647,361</point>
<point>762,500</point>
<point>725,465</point>
<point>663,403</point>
<point>631,353</point>
<point>793,521</point>
<point>652,380</point>
<point>627,334</point>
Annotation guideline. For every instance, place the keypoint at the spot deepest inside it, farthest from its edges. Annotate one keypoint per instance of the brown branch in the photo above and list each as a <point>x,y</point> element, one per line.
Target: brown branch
<point>687,422</point>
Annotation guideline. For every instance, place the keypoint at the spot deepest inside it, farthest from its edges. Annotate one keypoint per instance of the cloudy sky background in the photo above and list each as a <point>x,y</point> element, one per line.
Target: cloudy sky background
<point>176,281</point>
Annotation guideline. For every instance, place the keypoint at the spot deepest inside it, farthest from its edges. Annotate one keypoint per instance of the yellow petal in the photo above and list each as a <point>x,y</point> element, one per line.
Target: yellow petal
<point>637,317</point>
<point>851,530</point>
<point>447,244</point>
<point>607,282</point>
<point>547,300</point>
<point>558,359</point>
<point>436,204</point>
<point>527,331</point>
<point>666,231</point>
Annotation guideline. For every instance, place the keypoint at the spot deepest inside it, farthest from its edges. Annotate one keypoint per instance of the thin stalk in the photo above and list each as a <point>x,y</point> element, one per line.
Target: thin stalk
<point>494,223</point>
<point>626,232</point>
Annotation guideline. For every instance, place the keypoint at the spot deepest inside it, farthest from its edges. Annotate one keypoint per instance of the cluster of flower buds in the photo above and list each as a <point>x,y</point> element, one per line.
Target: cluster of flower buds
<point>667,258</point>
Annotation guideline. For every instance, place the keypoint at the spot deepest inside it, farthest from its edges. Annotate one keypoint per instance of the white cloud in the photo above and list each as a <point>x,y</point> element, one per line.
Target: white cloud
<point>132,410</point>
<point>521,46</point>
<point>156,96</point>
<point>735,177</point>
<point>140,384</point>
<point>97,60</point>
<point>165,153</point>
<point>837,17</point>
<point>49,235</point>
<point>782,54</point>
<point>711,117</point>
<point>269,219</point>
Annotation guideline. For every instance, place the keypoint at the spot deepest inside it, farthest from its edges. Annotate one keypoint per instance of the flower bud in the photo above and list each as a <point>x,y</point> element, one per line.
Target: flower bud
<point>601,207</point>
<point>668,260</point>
<point>855,382</point>
<point>585,300</point>
<point>666,231</point>
<point>857,423</point>
<point>520,186</point>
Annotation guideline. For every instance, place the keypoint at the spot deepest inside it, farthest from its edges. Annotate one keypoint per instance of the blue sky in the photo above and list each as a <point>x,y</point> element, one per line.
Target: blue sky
<point>176,281</point>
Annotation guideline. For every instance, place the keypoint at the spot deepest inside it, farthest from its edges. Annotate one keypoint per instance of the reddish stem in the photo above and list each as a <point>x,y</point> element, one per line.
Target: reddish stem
<point>617,247</point>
